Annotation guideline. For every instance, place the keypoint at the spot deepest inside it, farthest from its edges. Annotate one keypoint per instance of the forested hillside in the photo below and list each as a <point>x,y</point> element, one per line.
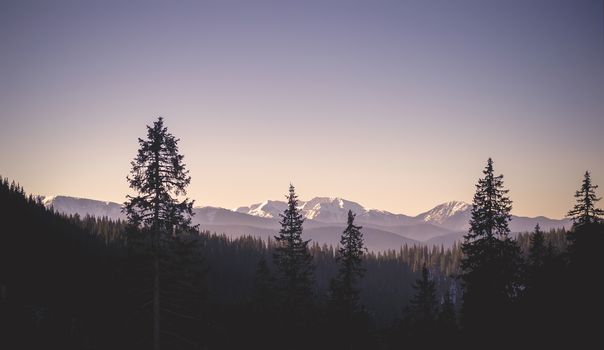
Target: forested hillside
<point>76,283</point>
<point>158,280</point>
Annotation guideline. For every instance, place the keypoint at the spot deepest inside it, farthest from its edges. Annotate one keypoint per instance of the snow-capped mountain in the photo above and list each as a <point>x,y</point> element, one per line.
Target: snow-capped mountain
<point>324,217</point>
<point>324,209</point>
<point>443,212</point>
<point>454,215</point>
<point>328,210</point>
<point>332,210</point>
<point>266,209</point>
<point>83,206</point>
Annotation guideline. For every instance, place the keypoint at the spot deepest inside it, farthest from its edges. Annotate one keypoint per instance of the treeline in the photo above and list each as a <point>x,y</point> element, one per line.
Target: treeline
<point>78,282</point>
<point>158,281</point>
<point>74,282</point>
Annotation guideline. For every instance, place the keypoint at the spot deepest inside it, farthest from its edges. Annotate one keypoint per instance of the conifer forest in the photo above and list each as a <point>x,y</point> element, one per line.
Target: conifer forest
<point>301,174</point>
<point>157,281</point>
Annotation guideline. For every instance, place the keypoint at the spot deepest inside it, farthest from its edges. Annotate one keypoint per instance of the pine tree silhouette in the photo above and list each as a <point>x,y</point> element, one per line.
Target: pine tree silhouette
<point>344,287</point>
<point>538,249</point>
<point>423,308</point>
<point>348,320</point>
<point>585,211</point>
<point>491,261</point>
<point>447,317</point>
<point>294,270</point>
<point>158,175</point>
<point>585,242</point>
<point>263,292</point>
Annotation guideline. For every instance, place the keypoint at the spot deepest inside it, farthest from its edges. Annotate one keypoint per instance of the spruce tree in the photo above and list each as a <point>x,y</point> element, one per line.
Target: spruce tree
<point>420,322</point>
<point>491,261</point>
<point>585,211</point>
<point>293,262</point>
<point>262,294</point>
<point>423,308</point>
<point>537,249</point>
<point>586,235</point>
<point>347,319</point>
<point>585,241</point>
<point>447,318</point>
<point>159,177</point>
<point>540,257</point>
<point>344,287</point>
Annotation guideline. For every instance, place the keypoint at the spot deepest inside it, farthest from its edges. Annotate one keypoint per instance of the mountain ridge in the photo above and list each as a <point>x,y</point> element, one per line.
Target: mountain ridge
<point>441,225</point>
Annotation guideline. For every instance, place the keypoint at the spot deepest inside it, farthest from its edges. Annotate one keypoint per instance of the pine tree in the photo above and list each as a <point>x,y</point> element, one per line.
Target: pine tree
<point>344,287</point>
<point>347,320</point>
<point>585,241</point>
<point>585,211</point>
<point>490,208</point>
<point>537,249</point>
<point>586,236</point>
<point>158,175</point>
<point>541,260</point>
<point>293,262</point>
<point>262,295</point>
<point>264,314</point>
<point>420,321</point>
<point>491,261</point>
<point>423,308</point>
<point>543,289</point>
<point>447,318</point>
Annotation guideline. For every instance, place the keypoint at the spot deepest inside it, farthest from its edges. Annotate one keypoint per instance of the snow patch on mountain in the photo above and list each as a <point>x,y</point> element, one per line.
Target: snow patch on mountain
<point>324,209</point>
<point>266,209</point>
<point>329,209</point>
<point>441,213</point>
<point>83,206</point>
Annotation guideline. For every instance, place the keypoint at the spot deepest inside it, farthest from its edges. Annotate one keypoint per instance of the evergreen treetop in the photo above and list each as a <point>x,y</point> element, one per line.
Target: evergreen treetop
<point>344,290</point>
<point>491,260</point>
<point>424,304</point>
<point>292,257</point>
<point>585,211</point>
<point>538,249</point>
<point>159,176</point>
<point>490,207</point>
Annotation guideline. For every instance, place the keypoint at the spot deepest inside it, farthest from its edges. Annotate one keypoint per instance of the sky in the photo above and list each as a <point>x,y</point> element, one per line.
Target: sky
<point>396,105</point>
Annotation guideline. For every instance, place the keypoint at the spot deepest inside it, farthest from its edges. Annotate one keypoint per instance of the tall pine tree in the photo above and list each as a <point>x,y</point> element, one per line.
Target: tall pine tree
<point>585,211</point>
<point>537,249</point>
<point>491,261</point>
<point>262,294</point>
<point>347,318</point>
<point>585,241</point>
<point>423,308</point>
<point>159,177</point>
<point>420,323</point>
<point>293,262</point>
<point>344,287</point>
<point>586,235</point>
<point>447,317</point>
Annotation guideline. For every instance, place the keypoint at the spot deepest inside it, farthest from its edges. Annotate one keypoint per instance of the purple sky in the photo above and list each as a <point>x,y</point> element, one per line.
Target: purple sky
<point>393,104</point>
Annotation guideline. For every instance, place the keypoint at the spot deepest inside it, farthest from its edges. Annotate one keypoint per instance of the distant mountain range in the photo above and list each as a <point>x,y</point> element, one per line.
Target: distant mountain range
<point>325,220</point>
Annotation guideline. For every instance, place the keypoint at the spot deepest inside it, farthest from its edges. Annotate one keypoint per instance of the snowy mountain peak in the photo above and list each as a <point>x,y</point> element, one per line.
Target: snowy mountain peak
<point>47,200</point>
<point>445,211</point>
<point>330,209</point>
<point>83,206</point>
<point>325,209</point>
<point>268,209</point>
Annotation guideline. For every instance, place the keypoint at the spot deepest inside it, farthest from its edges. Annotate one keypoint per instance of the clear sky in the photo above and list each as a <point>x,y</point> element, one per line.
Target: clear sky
<point>394,104</point>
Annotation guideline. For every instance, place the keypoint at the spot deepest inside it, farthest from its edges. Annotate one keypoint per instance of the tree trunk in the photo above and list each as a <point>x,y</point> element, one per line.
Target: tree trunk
<point>156,238</point>
<point>156,308</point>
